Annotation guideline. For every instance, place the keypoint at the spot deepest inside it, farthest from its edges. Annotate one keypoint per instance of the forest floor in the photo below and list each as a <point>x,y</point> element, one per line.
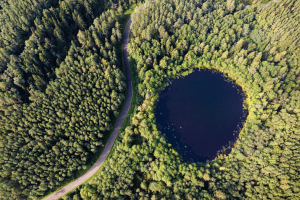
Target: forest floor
<point>87,175</point>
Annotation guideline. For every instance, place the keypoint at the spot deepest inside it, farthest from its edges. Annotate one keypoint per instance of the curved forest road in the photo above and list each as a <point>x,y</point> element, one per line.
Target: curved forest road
<point>114,134</point>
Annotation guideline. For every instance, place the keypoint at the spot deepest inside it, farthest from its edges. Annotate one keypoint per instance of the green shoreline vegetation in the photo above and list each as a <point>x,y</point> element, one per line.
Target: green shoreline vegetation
<point>61,89</point>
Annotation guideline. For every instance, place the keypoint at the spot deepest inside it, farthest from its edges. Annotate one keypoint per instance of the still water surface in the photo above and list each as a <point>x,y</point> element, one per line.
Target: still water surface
<point>199,114</point>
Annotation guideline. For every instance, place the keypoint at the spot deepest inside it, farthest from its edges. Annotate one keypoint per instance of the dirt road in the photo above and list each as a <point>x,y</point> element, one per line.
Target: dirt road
<point>114,134</point>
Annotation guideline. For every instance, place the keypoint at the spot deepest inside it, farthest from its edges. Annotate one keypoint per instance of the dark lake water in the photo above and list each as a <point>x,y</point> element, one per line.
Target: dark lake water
<point>199,114</point>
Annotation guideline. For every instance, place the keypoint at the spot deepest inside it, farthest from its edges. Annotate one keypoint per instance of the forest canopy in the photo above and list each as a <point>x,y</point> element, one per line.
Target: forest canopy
<point>257,47</point>
<point>62,87</point>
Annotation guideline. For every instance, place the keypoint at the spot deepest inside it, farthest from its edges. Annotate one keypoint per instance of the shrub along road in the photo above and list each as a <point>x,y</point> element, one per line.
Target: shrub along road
<point>114,134</point>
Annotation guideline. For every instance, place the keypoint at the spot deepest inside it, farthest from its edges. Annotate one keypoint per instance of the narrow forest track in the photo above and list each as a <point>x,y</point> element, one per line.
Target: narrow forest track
<point>115,132</point>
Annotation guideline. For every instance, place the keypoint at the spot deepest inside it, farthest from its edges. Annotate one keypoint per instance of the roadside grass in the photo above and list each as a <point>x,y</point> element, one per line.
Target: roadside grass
<point>126,121</point>
<point>130,10</point>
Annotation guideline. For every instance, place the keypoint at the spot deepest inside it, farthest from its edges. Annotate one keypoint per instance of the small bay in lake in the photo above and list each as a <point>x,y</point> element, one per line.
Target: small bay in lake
<point>200,114</point>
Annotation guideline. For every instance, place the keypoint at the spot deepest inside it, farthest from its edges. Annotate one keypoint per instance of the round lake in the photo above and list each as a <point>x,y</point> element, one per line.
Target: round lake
<point>200,114</point>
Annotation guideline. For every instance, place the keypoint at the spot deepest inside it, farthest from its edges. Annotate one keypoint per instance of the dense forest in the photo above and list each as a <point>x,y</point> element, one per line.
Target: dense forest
<point>62,87</point>
<point>28,66</point>
<point>259,48</point>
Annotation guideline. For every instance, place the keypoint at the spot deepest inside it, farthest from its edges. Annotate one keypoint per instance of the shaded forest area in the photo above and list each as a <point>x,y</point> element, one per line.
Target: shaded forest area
<point>38,43</point>
<point>62,87</point>
<point>260,49</point>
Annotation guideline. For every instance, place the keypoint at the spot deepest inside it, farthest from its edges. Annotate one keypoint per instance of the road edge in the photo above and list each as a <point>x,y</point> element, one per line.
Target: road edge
<point>82,179</point>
